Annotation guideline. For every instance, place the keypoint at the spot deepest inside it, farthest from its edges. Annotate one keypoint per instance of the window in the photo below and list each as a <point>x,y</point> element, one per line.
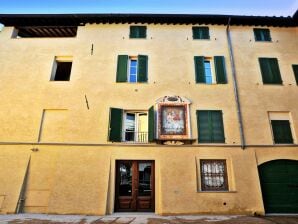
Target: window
<point>281,132</point>
<point>131,126</point>
<point>137,32</point>
<point>210,126</point>
<point>201,33</point>
<point>270,71</point>
<point>61,69</point>
<point>262,34</point>
<point>295,69</point>
<point>213,175</point>
<point>132,68</point>
<point>203,70</point>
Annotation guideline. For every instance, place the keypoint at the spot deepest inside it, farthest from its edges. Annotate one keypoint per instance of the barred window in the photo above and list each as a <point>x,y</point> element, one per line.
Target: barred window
<point>214,175</point>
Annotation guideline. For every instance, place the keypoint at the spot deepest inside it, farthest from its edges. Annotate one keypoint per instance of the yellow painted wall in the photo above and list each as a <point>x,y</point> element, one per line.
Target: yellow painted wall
<point>69,179</point>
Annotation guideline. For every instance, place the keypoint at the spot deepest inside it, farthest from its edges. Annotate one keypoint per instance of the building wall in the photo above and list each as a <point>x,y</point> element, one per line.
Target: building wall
<point>66,178</point>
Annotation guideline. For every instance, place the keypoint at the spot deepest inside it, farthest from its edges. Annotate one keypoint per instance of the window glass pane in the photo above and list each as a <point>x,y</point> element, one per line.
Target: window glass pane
<point>125,172</point>
<point>145,185</point>
<point>133,78</point>
<point>129,127</point>
<point>133,71</point>
<point>208,73</point>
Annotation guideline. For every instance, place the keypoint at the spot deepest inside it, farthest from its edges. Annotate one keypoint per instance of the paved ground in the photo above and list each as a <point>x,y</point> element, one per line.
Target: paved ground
<point>127,218</point>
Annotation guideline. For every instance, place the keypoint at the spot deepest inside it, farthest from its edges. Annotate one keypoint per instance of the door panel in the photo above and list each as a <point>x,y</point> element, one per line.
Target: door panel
<point>134,186</point>
<point>279,183</point>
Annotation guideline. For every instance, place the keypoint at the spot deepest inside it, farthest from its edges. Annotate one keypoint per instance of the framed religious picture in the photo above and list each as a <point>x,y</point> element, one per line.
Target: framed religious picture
<point>173,120</point>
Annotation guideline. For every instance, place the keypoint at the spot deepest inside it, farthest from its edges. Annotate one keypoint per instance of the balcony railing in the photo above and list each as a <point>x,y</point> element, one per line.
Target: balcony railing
<point>136,137</point>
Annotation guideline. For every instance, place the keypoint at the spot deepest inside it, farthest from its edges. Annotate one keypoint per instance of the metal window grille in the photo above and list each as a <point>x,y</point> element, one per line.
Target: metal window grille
<point>214,175</point>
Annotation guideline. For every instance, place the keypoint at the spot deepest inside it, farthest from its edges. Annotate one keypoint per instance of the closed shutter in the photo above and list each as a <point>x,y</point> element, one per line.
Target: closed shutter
<point>270,71</point>
<point>115,126</point>
<point>217,127</point>
<point>295,69</point>
<point>257,33</point>
<point>282,132</point>
<point>151,124</point>
<point>142,68</point>
<point>267,36</point>
<point>220,69</point>
<point>210,126</point>
<point>122,68</point>
<point>138,32</point>
<point>200,33</point>
<point>204,126</point>
<point>200,69</point>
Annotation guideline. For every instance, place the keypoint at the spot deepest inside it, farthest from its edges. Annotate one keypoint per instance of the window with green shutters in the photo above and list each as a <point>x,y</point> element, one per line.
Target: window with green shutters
<point>295,70</point>
<point>270,71</point>
<point>132,68</point>
<point>282,132</point>
<point>262,34</point>
<point>210,126</point>
<point>200,33</point>
<point>131,126</point>
<point>204,71</point>
<point>138,32</point>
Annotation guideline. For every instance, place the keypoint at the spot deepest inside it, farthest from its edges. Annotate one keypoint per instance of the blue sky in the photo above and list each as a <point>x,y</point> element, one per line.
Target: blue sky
<point>235,7</point>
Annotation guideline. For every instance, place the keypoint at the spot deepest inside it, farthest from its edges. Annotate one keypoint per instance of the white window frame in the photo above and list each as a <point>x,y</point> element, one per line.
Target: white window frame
<point>132,58</point>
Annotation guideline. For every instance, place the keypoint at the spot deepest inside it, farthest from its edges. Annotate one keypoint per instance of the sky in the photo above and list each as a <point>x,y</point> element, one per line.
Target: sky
<point>234,7</point>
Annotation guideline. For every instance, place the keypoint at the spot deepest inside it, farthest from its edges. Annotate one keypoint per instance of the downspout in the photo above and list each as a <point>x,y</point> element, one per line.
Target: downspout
<point>235,85</point>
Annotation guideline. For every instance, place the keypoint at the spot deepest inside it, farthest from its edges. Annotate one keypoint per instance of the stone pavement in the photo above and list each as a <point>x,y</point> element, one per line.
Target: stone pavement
<point>143,218</point>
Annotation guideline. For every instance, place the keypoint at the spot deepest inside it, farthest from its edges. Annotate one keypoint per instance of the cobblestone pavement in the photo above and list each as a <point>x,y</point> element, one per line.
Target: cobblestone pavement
<point>143,219</point>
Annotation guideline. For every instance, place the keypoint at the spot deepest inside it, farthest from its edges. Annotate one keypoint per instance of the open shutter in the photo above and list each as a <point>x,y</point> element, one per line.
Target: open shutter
<point>151,124</point>
<point>282,131</point>
<point>218,135</point>
<point>115,126</point>
<point>200,69</point>
<point>204,126</point>
<point>122,68</point>
<point>295,69</point>
<point>220,69</point>
<point>270,71</point>
<point>142,68</point>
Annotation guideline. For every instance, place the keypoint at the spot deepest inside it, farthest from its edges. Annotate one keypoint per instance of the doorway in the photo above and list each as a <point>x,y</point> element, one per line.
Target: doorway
<point>134,186</point>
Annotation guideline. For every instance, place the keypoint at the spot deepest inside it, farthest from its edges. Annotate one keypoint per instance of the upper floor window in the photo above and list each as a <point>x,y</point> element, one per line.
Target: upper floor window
<point>200,33</point>
<point>262,34</point>
<point>213,175</point>
<point>205,73</point>
<point>132,68</point>
<point>44,31</point>
<point>131,126</point>
<point>61,69</point>
<point>210,126</point>
<point>138,32</point>
<point>295,70</point>
<point>270,71</point>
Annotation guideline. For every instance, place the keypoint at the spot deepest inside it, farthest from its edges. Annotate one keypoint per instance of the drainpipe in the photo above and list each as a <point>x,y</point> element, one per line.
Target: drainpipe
<point>236,94</point>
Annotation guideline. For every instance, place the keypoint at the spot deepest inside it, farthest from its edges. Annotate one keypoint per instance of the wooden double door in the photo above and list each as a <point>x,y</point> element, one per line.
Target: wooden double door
<point>134,186</point>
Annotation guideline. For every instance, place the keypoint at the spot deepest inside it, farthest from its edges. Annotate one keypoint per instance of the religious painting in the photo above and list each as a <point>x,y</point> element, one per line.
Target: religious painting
<point>173,120</point>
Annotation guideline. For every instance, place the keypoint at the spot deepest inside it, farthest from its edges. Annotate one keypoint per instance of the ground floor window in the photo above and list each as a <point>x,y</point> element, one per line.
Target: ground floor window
<point>213,175</point>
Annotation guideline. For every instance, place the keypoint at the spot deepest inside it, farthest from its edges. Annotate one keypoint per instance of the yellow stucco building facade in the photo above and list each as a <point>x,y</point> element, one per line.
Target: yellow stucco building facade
<point>172,114</point>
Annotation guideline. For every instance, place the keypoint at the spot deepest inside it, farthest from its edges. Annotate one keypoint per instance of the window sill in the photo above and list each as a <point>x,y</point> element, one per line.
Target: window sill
<point>201,39</point>
<point>216,191</point>
<point>263,41</point>
<point>273,84</point>
<point>136,38</point>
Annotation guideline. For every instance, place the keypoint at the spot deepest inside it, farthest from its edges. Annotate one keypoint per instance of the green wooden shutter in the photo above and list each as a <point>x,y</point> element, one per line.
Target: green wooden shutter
<point>267,36</point>
<point>204,126</point>
<point>270,71</point>
<point>200,33</point>
<point>151,124</point>
<point>200,69</point>
<point>122,68</point>
<point>115,126</point>
<point>217,127</point>
<point>295,69</point>
<point>257,33</point>
<point>282,132</point>
<point>220,69</point>
<point>142,68</point>
<point>138,32</point>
